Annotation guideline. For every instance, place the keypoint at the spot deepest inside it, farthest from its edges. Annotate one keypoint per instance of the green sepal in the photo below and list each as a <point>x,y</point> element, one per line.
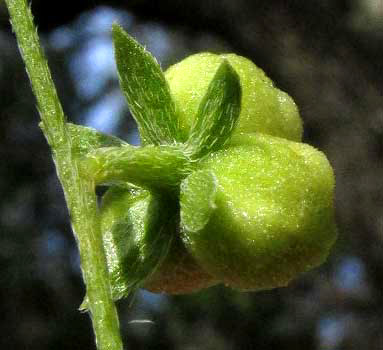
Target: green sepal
<point>156,167</point>
<point>136,236</point>
<point>85,139</point>
<point>146,90</point>
<point>217,114</point>
<point>197,200</point>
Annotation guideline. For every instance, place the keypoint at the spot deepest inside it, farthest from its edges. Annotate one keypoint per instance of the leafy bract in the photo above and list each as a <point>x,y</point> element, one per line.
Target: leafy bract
<point>136,237</point>
<point>146,90</point>
<point>197,199</point>
<point>217,114</point>
<point>85,139</point>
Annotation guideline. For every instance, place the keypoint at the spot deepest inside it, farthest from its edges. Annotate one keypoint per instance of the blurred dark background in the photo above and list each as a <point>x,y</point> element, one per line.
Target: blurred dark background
<point>327,54</point>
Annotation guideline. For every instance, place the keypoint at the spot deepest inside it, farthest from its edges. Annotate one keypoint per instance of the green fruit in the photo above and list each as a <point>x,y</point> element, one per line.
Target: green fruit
<point>228,193</point>
<point>141,247</point>
<point>264,108</point>
<point>270,215</point>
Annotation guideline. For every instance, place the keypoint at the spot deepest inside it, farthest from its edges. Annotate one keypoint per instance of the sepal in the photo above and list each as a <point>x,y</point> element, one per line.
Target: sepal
<point>217,114</point>
<point>146,90</point>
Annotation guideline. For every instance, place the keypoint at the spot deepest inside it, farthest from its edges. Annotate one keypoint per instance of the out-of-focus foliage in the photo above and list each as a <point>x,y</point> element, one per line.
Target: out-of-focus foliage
<point>326,54</point>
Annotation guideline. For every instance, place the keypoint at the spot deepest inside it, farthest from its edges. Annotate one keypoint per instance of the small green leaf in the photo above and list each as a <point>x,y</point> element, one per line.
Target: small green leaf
<point>197,198</point>
<point>156,167</point>
<point>85,139</point>
<point>146,90</point>
<point>217,114</point>
<point>136,236</point>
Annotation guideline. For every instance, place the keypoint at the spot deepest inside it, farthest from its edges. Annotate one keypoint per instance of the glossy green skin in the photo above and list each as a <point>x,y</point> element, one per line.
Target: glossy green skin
<point>128,223</point>
<point>273,216</point>
<point>264,108</point>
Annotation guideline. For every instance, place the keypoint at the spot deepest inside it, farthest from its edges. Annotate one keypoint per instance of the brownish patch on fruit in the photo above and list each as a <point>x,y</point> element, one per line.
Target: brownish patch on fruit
<point>179,273</point>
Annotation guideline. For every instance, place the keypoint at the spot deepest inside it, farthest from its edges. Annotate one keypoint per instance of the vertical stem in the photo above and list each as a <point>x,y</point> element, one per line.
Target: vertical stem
<point>79,193</point>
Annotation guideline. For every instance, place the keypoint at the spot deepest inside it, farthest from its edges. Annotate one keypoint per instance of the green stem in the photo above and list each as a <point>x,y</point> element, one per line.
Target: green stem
<point>157,167</point>
<point>79,192</point>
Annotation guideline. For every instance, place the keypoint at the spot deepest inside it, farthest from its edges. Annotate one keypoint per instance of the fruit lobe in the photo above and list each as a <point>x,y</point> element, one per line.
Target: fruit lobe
<point>273,216</point>
<point>264,108</point>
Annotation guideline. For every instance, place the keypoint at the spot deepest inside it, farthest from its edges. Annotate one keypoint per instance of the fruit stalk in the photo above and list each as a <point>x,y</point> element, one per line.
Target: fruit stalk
<point>79,193</point>
<point>155,167</point>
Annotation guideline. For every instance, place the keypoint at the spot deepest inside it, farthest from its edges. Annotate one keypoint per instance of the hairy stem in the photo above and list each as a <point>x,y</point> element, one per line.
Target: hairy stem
<point>79,192</point>
<point>156,167</point>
